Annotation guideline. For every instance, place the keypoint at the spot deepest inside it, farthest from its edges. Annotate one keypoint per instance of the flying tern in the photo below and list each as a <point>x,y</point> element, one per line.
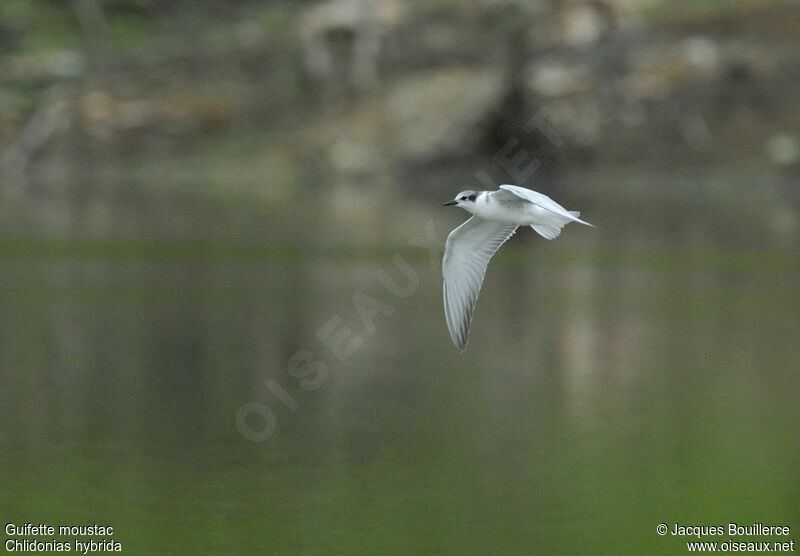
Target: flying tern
<point>470,247</point>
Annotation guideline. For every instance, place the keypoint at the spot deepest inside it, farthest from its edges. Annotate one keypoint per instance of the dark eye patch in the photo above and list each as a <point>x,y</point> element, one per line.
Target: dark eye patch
<point>472,197</point>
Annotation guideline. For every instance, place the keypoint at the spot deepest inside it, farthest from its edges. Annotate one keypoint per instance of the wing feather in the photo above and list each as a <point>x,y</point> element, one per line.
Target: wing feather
<point>468,250</point>
<point>544,202</point>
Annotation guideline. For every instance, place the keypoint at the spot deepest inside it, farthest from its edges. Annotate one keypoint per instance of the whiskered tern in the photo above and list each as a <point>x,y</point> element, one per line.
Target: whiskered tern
<point>470,247</point>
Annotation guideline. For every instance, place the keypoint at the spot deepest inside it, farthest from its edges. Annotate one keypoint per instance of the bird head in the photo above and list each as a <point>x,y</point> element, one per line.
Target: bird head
<point>465,200</point>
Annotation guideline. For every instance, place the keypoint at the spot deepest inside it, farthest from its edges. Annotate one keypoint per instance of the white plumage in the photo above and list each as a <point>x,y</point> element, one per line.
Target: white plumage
<point>470,247</point>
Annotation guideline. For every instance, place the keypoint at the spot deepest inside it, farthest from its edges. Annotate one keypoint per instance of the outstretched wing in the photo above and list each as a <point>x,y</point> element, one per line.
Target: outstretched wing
<point>544,202</point>
<point>467,252</point>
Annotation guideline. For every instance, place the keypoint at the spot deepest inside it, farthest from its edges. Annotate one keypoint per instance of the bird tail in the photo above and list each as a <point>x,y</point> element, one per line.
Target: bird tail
<point>552,229</point>
<point>549,231</point>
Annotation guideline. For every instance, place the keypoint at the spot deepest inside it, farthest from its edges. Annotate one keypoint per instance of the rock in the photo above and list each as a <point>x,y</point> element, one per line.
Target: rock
<point>702,55</point>
<point>654,71</point>
<point>66,63</point>
<point>438,112</point>
<point>46,67</point>
<point>578,121</point>
<point>583,24</point>
<point>783,149</point>
<point>347,156</point>
<point>550,78</point>
<point>343,40</point>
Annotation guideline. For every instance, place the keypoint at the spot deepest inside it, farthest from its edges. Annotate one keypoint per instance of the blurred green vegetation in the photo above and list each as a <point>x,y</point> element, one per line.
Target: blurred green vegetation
<point>48,24</point>
<point>676,9</point>
<point>33,25</point>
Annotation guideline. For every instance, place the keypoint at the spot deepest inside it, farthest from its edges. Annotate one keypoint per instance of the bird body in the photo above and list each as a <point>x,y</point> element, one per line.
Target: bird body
<point>470,247</point>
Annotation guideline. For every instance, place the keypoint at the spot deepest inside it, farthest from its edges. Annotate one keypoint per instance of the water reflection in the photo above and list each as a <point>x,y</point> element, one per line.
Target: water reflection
<point>613,390</point>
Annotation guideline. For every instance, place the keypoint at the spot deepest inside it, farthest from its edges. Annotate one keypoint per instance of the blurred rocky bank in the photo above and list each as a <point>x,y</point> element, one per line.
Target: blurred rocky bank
<point>167,118</point>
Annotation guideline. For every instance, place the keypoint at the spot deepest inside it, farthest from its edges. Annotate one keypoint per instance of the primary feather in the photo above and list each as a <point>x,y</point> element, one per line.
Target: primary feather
<point>468,250</point>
